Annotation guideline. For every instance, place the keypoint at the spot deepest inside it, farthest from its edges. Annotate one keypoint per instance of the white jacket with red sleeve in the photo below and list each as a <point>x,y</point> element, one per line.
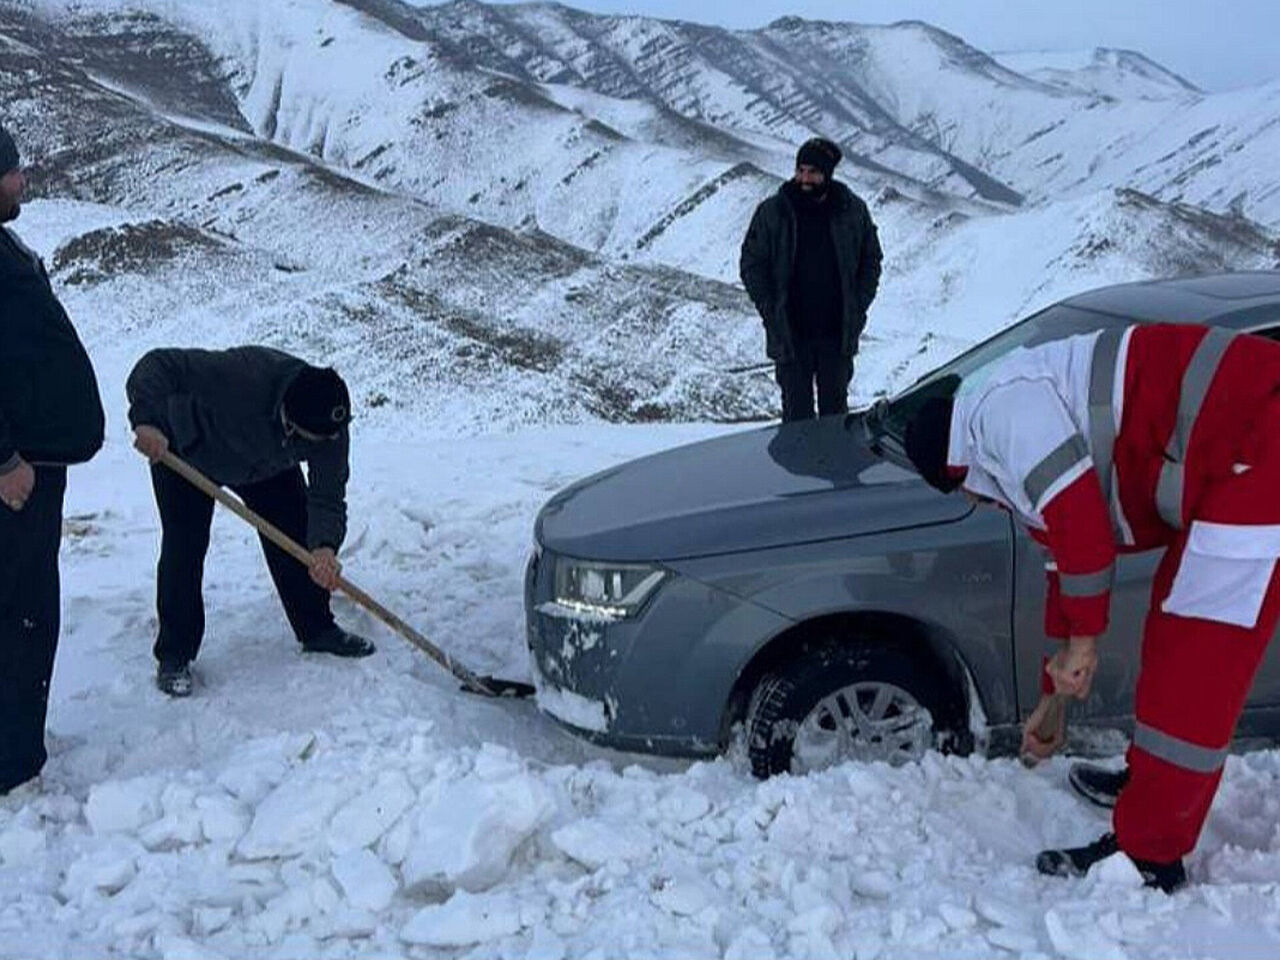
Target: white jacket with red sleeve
<point>1127,439</point>
<point>1021,429</point>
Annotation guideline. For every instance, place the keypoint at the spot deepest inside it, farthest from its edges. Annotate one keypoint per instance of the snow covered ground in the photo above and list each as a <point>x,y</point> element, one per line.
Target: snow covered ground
<point>301,806</point>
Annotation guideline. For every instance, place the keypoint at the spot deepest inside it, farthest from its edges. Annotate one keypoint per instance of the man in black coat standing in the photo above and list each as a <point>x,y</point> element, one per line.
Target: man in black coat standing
<point>247,418</point>
<point>50,416</point>
<point>811,265</point>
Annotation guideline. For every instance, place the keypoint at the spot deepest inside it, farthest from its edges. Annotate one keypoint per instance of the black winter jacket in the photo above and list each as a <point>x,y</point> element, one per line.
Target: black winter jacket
<point>768,260</point>
<point>221,410</point>
<point>50,411</point>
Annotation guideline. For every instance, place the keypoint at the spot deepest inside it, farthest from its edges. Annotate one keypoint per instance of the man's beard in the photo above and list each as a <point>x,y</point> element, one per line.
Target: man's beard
<point>11,212</point>
<point>813,193</point>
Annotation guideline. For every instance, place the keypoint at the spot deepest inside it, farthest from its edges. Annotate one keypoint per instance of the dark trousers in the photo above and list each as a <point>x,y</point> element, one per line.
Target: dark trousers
<point>29,620</point>
<point>185,516</point>
<point>819,361</point>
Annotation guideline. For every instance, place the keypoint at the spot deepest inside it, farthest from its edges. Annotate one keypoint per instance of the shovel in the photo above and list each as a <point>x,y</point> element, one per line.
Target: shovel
<point>751,367</point>
<point>1048,726</point>
<point>484,686</point>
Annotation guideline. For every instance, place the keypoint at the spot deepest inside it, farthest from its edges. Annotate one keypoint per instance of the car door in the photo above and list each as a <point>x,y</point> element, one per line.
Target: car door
<point>1118,649</point>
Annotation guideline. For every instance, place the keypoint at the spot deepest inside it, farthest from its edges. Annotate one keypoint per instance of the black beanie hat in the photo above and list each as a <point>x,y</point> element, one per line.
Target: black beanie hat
<point>927,441</point>
<point>318,402</point>
<point>8,153</point>
<point>820,153</point>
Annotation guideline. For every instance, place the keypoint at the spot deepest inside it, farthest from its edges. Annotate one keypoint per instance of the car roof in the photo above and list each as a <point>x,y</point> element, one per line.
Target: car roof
<point>1223,298</point>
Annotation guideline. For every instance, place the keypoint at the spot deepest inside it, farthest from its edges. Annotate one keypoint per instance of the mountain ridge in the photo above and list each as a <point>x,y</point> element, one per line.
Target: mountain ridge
<point>540,251</point>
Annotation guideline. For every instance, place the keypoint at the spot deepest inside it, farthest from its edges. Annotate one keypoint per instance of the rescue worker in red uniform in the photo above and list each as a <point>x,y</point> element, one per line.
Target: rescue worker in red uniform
<point>1126,440</point>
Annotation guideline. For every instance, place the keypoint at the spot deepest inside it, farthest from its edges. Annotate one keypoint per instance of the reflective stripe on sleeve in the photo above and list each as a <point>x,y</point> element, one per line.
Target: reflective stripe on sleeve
<point>1195,386</point>
<point>1086,584</point>
<point>1056,464</point>
<point>1102,419</point>
<point>1102,424</point>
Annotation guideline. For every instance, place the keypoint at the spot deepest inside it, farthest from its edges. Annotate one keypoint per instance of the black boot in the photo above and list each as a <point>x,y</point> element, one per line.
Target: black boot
<point>1077,861</point>
<point>1097,784</point>
<point>1162,876</point>
<point>340,643</point>
<point>174,678</point>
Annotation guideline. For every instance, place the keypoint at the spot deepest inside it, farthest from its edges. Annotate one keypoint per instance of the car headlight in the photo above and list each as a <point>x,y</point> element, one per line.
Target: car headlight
<point>608,590</point>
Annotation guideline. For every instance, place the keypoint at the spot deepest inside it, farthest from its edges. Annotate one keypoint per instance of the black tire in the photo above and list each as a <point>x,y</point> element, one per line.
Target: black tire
<point>893,707</point>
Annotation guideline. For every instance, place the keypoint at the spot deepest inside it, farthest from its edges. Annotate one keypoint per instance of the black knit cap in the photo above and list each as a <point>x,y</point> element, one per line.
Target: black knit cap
<point>927,441</point>
<point>318,402</point>
<point>8,153</point>
<point>819,153</point>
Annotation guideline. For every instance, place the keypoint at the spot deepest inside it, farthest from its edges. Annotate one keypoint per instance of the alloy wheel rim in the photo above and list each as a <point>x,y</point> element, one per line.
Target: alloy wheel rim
<point>865,721</point>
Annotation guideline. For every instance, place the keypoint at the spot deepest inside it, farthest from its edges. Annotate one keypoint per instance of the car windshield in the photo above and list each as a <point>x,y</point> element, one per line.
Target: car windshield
<point>1052,323</point>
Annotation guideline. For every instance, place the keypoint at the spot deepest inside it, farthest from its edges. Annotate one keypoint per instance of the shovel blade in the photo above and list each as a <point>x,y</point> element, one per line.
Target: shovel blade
<point>510,689</point>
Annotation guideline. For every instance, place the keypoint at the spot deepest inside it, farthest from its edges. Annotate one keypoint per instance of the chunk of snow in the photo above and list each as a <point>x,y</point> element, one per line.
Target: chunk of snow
<point>222,818</point>
<point>545,945</point>
<point>291,818</point>
<point>122,806</point>
<point>172,831</point>
<point>816,923</point>
<point>957,917</point>
<point>170,946</point>
<point>209,920</point>
<point>683,897</point>
<point>496,763</point>
<point>1080,940</point>
<point>1117,869</point>
<point>1018,941</point>
<point>1001,912</point>
<point>684,805</point>
<point>258,766</point>
<point>466,838</point>
<point>20,844</point>
<point>463,920</point>
<point>108,870</point>
<point>365,880</point>
<point>875,884</point>
<point>749,943</point>
<point>364,818</point>
<point>593,843</point>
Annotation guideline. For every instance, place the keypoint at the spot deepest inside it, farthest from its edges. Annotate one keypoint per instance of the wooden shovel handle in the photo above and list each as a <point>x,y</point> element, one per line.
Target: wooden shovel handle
<point>1047,729</point>
<point>1052,717</point>
<point>303,556</point>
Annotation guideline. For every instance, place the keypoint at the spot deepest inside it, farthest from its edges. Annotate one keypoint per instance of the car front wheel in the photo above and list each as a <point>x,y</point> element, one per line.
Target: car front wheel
<point>838,702</point>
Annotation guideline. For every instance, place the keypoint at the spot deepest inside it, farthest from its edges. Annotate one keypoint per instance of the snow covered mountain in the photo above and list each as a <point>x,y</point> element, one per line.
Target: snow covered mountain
<point>515,214</point>
<point>505,224</point>
<point>1102,71</point>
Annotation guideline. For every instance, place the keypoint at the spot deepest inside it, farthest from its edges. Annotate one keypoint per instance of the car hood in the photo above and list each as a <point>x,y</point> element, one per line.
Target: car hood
<point>777,486</point>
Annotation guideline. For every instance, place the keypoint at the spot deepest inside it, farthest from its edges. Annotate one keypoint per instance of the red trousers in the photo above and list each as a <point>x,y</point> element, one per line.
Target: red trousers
<point>1215,603</point>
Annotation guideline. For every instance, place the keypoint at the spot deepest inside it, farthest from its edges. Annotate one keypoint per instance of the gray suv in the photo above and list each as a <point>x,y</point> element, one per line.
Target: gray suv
<point>803,581</point>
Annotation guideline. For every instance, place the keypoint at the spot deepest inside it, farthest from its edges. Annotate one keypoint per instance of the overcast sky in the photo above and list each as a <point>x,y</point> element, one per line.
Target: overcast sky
<point>1216,45</point>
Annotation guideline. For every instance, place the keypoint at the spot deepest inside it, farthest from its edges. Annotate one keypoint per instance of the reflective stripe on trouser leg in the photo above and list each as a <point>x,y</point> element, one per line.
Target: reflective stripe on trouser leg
<point>1178,752</point>
<point>1195,676</point>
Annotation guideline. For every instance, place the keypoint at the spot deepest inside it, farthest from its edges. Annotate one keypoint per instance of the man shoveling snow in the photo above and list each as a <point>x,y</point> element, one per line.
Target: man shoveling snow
<point>1124,440</point>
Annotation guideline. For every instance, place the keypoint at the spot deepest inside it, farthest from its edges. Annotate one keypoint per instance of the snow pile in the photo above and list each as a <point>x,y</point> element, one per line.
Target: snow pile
<point>300,805</point>
<point>520,850</point>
